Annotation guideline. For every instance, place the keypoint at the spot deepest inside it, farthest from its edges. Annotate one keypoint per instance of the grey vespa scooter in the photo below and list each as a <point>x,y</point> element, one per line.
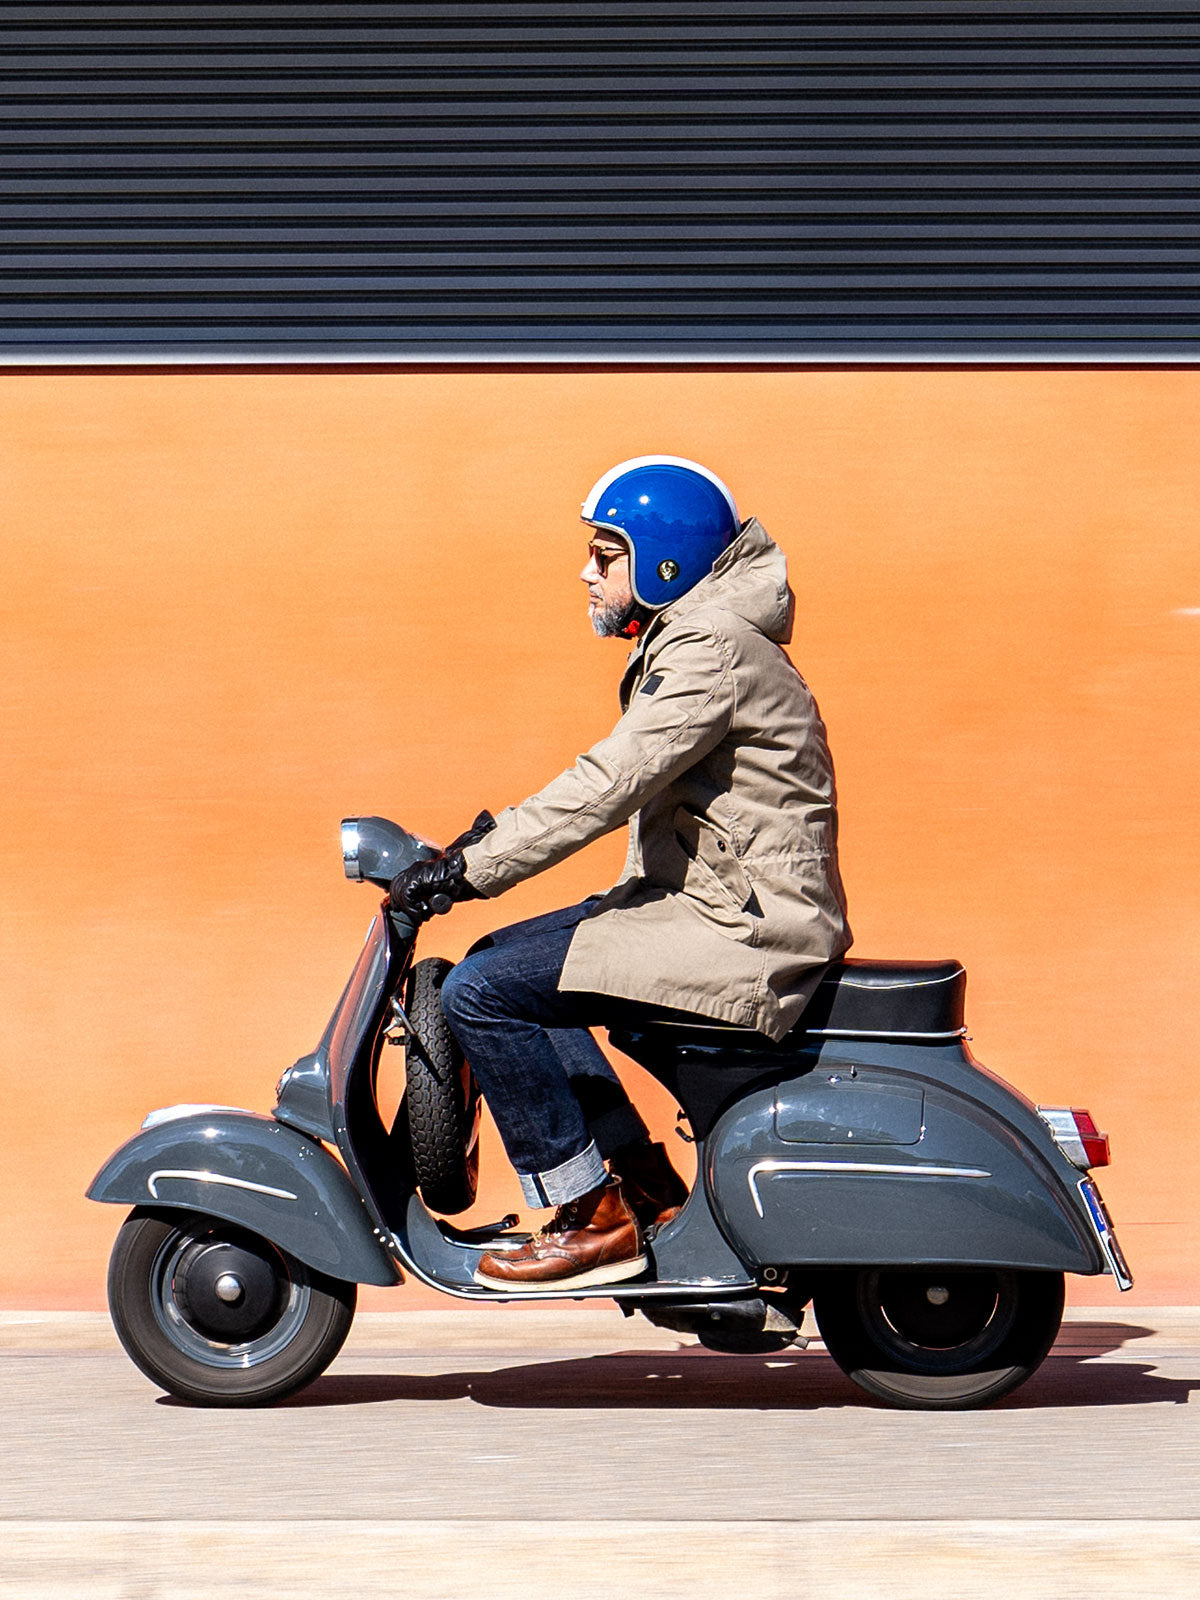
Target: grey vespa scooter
<point>866,1164</point>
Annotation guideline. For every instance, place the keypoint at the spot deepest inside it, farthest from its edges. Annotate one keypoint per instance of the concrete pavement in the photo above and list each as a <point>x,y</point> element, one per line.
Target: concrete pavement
<point>552,1453</point>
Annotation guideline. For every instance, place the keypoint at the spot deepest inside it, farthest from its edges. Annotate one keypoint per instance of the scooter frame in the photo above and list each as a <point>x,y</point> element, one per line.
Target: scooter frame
<point>984,1184</point>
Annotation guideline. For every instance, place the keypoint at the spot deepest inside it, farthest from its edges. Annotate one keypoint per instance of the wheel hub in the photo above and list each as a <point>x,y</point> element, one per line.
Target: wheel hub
<point>940,1320</point>
<point>225,1291</point>
<point>940,1313</point>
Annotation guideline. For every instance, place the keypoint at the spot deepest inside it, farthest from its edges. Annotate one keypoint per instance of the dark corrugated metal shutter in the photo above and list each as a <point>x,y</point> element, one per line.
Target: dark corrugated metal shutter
<point>636,180</point>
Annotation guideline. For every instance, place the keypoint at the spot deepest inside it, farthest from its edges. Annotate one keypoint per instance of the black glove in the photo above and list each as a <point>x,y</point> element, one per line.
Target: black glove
<point>429,888</point>
<point>483,824</point>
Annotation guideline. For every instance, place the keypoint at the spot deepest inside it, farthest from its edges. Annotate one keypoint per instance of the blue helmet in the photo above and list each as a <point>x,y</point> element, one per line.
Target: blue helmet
<point>675,516</point>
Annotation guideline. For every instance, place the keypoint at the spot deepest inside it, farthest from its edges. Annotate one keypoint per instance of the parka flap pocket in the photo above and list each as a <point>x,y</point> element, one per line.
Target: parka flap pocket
<point>712,861</point>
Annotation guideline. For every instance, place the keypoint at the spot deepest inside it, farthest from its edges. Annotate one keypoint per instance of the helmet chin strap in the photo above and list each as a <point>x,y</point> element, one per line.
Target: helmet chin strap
<point>639,617</point>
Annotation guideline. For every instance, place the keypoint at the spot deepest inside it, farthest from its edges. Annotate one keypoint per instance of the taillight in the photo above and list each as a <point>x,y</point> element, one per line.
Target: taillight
<point>1076,1135</point>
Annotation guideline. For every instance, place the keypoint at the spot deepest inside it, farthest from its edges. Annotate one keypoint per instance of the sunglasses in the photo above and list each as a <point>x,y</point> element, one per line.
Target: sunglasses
<point>604,555</point>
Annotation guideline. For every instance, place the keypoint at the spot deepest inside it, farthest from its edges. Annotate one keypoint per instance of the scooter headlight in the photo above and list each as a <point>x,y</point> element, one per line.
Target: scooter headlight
<point>351,839</point>
<point>374,850</point>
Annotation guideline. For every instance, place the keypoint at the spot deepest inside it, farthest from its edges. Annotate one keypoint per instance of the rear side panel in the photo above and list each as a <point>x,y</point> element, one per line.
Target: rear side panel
<point>254,1171</point>
<point>847,1166</point>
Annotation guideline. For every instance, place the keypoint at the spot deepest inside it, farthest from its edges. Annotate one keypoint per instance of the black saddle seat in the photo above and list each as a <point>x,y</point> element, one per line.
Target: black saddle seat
<point>888,999</point>
<point>921,1001</point>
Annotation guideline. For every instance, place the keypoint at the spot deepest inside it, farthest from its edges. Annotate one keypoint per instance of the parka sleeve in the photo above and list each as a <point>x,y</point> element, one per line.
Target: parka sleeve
<point>669,726</point>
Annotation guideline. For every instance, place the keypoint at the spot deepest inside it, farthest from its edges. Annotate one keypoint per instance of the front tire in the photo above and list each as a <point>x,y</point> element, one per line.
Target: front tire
<point>939,1339</point>
<point>219,1316</point>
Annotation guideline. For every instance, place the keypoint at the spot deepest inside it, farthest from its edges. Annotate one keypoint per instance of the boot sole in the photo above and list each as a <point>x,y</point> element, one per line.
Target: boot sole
<point>617,1272</point>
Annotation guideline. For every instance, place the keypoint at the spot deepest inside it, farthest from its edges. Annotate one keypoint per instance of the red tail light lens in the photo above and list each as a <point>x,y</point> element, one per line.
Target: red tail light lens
<point>1095,1143</point>
<point>1076,1135</point>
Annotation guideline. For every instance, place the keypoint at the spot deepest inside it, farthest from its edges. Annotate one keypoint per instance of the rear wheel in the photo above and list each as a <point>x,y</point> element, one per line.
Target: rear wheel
<point>939,1339</point>
<point>219,1316</point>
<point>441,1097</point>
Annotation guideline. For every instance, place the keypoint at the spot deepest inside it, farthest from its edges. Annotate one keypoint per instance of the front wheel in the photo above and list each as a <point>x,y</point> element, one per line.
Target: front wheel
<point>939,1339</point>
<point>219,1316</point>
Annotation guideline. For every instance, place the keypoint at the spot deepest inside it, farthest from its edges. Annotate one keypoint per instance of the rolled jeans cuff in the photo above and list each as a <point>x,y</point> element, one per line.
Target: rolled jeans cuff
<point>557,1185</point>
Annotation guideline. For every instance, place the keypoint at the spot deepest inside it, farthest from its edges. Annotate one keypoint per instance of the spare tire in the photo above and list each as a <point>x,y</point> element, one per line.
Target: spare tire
<point>441,1096</point>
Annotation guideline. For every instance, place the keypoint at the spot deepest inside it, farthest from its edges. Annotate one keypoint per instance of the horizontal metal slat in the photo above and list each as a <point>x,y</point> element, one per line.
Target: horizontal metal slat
<point>446,194</point>
<point>407,139</point>
<point>735,49</point>
<point>931,25</point>
<point>745,281</point>
<point>443,218</point>
<point>558,305</point>
<point>606,335</point>
<point>660,112</point>
<point>369,93</point>
<point>309,13</point>
<point>762,245</point>
<point>527,348</point>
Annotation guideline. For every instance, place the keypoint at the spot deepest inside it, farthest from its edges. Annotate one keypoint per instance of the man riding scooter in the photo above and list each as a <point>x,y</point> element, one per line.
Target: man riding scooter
<point>730,904</point>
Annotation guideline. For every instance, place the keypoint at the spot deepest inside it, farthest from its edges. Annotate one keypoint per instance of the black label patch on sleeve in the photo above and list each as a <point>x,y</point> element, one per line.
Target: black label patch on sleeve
<point>651,683</point>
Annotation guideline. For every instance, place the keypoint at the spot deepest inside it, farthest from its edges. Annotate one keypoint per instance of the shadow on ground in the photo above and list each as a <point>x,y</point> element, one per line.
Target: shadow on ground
<point>699,1379</point>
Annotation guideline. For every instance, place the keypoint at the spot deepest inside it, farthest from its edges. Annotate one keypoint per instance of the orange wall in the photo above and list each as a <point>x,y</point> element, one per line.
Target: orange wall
<point>238,607</point>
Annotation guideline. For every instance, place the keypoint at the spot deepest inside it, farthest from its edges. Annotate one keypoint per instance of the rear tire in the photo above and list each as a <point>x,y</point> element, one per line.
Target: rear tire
<point>939,1339</point>
<point>219,1316</point>
<point>441,1097</point>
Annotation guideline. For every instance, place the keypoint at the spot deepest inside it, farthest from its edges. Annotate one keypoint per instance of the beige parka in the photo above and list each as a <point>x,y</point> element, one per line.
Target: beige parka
<point>731,902</point>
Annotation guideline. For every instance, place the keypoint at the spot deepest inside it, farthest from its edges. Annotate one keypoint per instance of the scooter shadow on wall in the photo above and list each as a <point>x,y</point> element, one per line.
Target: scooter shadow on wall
<point>693,1378</point>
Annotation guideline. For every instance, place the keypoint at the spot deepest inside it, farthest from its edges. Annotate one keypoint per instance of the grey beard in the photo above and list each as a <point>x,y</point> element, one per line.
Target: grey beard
<point>612,621</point>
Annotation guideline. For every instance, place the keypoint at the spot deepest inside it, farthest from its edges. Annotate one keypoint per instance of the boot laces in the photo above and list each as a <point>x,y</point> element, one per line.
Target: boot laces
<point>565,1219</point>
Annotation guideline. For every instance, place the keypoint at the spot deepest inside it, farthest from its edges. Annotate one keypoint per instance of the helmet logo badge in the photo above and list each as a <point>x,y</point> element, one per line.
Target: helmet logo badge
<point>668,571</point>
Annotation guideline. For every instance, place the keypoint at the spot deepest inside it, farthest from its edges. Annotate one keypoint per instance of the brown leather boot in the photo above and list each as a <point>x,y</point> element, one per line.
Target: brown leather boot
<point>652,1187</point>
<point>592,1240</point>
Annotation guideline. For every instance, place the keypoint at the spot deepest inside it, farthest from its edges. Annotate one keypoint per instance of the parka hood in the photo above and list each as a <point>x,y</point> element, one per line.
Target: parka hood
<point>750,579</point>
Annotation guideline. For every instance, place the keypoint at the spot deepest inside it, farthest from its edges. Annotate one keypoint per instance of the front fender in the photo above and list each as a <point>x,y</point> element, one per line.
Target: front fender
<point>251,1170</point>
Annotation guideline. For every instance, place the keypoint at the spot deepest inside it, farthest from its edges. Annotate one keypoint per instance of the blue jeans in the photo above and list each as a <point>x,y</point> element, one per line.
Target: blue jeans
<point>559,1106</point>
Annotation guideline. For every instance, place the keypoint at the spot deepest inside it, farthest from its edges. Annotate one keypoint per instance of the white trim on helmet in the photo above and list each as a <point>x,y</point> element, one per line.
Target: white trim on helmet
<point>588,509</point>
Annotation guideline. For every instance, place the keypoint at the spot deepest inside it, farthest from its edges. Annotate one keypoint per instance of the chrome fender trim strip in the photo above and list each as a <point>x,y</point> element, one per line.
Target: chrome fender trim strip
<point>154,1119</point>
<point>855,1168</point>
<point>196,1176</point>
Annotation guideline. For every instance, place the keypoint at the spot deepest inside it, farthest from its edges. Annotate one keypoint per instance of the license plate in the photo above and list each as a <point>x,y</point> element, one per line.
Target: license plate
<point>1105,1234</point>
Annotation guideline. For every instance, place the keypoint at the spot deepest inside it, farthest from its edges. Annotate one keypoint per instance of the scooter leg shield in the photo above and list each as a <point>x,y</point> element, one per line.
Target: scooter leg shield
<point>254,1171</point>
